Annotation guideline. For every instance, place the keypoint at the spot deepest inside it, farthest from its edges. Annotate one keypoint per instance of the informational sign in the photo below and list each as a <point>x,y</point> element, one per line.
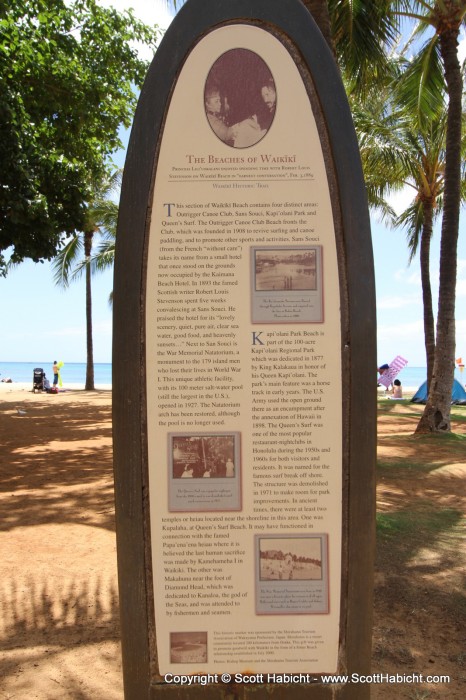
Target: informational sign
<point>244,406</point>
<point>243,369</point>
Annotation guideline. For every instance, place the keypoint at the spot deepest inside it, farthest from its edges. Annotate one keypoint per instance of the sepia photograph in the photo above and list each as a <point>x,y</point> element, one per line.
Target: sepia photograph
<point>204,472</point>
<point>290,558</point>
<point>188,647</point>
<point>203,456</point>
<point>287,284</point>
<point>240,98</point>
<point>282,269</point>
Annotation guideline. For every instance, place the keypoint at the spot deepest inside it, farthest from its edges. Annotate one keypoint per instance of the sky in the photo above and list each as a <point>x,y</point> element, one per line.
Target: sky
<point>41,322</point>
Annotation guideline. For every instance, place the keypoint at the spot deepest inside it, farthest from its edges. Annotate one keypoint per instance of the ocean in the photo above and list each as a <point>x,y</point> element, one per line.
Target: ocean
<point>415,376</point>
<point>71,372</point>
<point>75,373</point>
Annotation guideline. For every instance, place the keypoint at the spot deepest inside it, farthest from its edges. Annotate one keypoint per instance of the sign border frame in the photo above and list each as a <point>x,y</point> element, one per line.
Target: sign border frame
<point>292,24</point>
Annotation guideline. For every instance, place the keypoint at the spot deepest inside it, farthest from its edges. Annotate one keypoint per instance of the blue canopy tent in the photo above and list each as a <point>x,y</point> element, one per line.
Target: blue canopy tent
<point>458,394</point>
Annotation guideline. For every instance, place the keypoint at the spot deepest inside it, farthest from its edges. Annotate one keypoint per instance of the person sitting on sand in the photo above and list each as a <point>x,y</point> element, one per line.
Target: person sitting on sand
<point>397,389</point>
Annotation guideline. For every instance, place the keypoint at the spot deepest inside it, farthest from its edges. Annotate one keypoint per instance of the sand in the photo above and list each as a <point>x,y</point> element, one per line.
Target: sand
<point>59,631</point>
<point>59,602</point>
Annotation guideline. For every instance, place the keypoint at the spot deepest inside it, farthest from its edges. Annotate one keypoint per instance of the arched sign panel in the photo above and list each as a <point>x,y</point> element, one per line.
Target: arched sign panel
<point>243,369</point>
<point>239,412</point>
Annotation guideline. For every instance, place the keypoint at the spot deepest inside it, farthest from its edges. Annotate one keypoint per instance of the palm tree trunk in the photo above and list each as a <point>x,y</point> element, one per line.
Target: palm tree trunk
<point>429,327</point>
<point>88,236</point>
<point>436,416</point>
<point>320,13</point>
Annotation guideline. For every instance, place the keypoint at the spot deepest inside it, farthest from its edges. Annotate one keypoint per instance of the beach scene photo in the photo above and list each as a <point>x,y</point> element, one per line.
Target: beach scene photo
<point>188,647</point>
<point>285,269</point>
<point>290,558</point>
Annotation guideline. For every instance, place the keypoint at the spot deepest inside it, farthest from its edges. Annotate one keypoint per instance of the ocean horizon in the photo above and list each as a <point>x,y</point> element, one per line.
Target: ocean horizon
<point>75,373</point>
<point>71,372</point>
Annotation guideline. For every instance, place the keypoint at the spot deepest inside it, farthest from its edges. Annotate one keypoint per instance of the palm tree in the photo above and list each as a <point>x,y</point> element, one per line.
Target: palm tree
<point>400,148</point>
<point>437,62</point>
<point>76,257</point>
<point>446,17</point>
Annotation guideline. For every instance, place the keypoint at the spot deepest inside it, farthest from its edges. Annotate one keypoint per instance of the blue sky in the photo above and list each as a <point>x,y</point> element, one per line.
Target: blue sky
<point>41,322</point>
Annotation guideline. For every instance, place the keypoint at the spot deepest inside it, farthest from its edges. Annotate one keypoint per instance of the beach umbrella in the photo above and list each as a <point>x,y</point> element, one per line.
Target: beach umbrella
<point>394,368</point>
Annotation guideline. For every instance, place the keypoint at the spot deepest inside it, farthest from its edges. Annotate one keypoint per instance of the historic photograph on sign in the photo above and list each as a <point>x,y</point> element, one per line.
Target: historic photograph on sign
<point>240,98</point>
<point>287,284</point>
<point>291,574</point>
<point>188,647</point>
<point>204,471</point>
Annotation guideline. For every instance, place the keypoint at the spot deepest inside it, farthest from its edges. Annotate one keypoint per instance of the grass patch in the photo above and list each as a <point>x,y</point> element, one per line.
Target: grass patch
<point>405,465</point>
<point>449,438</point>
<point>458,417</point>
<point>418,525</point>
<point>424,453</point>
<point>411,410</point>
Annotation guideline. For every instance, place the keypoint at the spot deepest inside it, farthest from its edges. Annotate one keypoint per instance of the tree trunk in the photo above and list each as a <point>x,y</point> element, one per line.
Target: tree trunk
<point>319,11</point>
<point>88,236</point>
<point>429,327</point>
<point>436,416</point>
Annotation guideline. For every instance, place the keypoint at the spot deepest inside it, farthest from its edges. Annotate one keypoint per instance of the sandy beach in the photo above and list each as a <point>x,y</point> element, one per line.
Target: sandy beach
<point>59,600</point>
<point>59,631</point>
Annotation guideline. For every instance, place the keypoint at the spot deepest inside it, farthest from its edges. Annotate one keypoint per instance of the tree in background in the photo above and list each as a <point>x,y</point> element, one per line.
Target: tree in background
<point>436,64</point>
<point>75,258</point>
<point>67,77</point>
<point>402,146</point>
<point>445,17</point>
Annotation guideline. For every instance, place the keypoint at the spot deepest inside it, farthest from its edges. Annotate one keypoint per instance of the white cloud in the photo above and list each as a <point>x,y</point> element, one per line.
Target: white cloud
<point>151,12</point>
<point>148,11</point>
<point>461,288</point>
<point>405,339</point>
<point>401,200</point>
<point>407,276</point>
<point>398,302</point>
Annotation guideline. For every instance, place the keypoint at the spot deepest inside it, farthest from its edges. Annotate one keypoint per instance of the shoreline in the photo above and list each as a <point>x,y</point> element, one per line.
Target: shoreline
<point>10,387</point>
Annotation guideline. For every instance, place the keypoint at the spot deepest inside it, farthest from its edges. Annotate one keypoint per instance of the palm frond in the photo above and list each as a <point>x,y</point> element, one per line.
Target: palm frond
<point>64,262</point>
<point>422,91</point>
<point>361,32</point>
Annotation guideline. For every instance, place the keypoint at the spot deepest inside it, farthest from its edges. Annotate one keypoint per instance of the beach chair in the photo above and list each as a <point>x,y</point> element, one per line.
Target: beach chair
<point>38,377</point>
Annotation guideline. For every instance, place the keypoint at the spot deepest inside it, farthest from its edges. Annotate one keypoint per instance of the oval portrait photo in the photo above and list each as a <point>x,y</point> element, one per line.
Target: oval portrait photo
<point>240,98</point>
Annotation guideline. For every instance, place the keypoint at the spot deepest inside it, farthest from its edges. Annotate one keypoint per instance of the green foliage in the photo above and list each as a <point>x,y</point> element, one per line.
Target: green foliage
<point>425,522</point>
<point>67,76</point>
<point>362,30</point>
<point>101,221</point>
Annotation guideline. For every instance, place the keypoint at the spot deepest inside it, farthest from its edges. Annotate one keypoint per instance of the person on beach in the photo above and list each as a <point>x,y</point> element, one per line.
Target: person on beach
<point>55,374</point>
<point>381,370</point>
<point>397,389</point>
